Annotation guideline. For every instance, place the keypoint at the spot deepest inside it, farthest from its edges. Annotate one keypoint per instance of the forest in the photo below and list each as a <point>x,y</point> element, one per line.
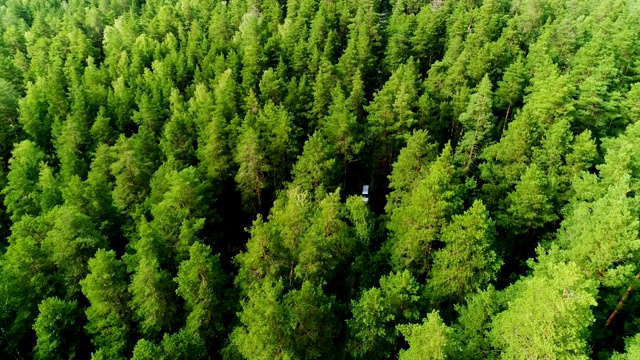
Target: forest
<point>184,179</point>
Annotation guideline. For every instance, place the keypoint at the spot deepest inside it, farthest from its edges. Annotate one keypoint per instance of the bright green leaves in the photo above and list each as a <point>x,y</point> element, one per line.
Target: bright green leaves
<point>298,324</point>
<point>392,112</point>
<point>477,123</point>
<point>201,281</point>
<point>21,196</point>
<point>467,262</point>
<point>134,165</point>
<point>416,224</point>
<point>430,340</point>
<point>71,242</point>
<point>372,330</point>
<point>549,316</point>
<point>410,167</point>
<point>109,318</point>
<point>305,237</point>
<point>632,349</point>
<point>153,299</point>
<point>56,329</point>
<point>530,206</point>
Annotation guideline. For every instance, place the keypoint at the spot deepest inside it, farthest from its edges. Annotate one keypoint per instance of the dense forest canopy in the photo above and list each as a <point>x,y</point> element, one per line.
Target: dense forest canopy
<point>182,179</point>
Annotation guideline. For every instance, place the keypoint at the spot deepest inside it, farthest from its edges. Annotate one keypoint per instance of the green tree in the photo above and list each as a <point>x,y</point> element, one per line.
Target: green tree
<point>467,262</point>
<point>477,123</point>
<point>71,242</point>
<point>179,135</point>
<point>253,168</point>
<point>557,298</point>
<point>134,165</point>
<point>341,128</point>
<point>416,224</point>
<point>152,298</point>
<point>410,167</point>
<point>56,330</point>
<point>430,340</point>
<point>20,194</point>
<point>201,283</point>
<point>109,317</point>
<point>317,164</point>
<point>392,112</point>
<point>373,331</point>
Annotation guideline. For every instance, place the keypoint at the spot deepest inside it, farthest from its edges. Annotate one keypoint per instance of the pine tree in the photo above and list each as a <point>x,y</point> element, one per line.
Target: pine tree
<point>20,194</point>
<point>109,317</point>
<point>416,224</point>
<point>467,262</point>
<point>56,330</point>
<point>201,281</point>
<point>152,298</point>
<point>554,297</point>
<point>410,167</point>
<point>373,331</point>
<point>430,340</point>
<point>477,123</point>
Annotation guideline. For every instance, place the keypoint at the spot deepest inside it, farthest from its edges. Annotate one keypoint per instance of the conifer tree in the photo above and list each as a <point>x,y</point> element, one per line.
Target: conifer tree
<point>109,317</point>
<point>56,330</point>
<point>416,224</point>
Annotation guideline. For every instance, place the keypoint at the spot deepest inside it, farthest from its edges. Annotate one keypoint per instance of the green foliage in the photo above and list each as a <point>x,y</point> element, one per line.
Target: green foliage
<point>189,175</point>
<point>632,349</point>
<point>477,123</point>
<point>431,340</point>
<point>298,324</point>
<point>20,193</point>
<point>372,330</point>
<point>201,280</point>
<point>557,298</point>
<point>56,330</point>
<point>109,318</point>
<point>410,167</point>
<point>416,224</point>
<point>467,262</point>
<point>152,298</point>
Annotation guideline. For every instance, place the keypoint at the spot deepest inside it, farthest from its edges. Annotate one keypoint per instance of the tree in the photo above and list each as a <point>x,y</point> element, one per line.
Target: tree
<point>56,330</point>
<point>134,165</point>
<point>201,281</point>
<point>213,150</point>
<point>109,317</point>
<point>71,242</point>
<point>410,167</point>
<point>179,135</point>
<point>152,298</point>
<point>392,112</point>
<point>373,331</point>
<point>430,340</point>
<point>249,39</point>
<point>20,194</point>
<point>27,278</point>
<point>341,128</point>
<point>181,214</point>
<point>557,298</point>
<point>253,167</point>
<point>261,336</point>
<point>477,123</point>
<point>34,114</point>
<point>416,224</point>
<point>327,243</point>
<point>529,206</point>
<point>632,349</point>
<point>510,89</point>
<point>317,165</point>
<point>467,262</point>
<point>180,345</point>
